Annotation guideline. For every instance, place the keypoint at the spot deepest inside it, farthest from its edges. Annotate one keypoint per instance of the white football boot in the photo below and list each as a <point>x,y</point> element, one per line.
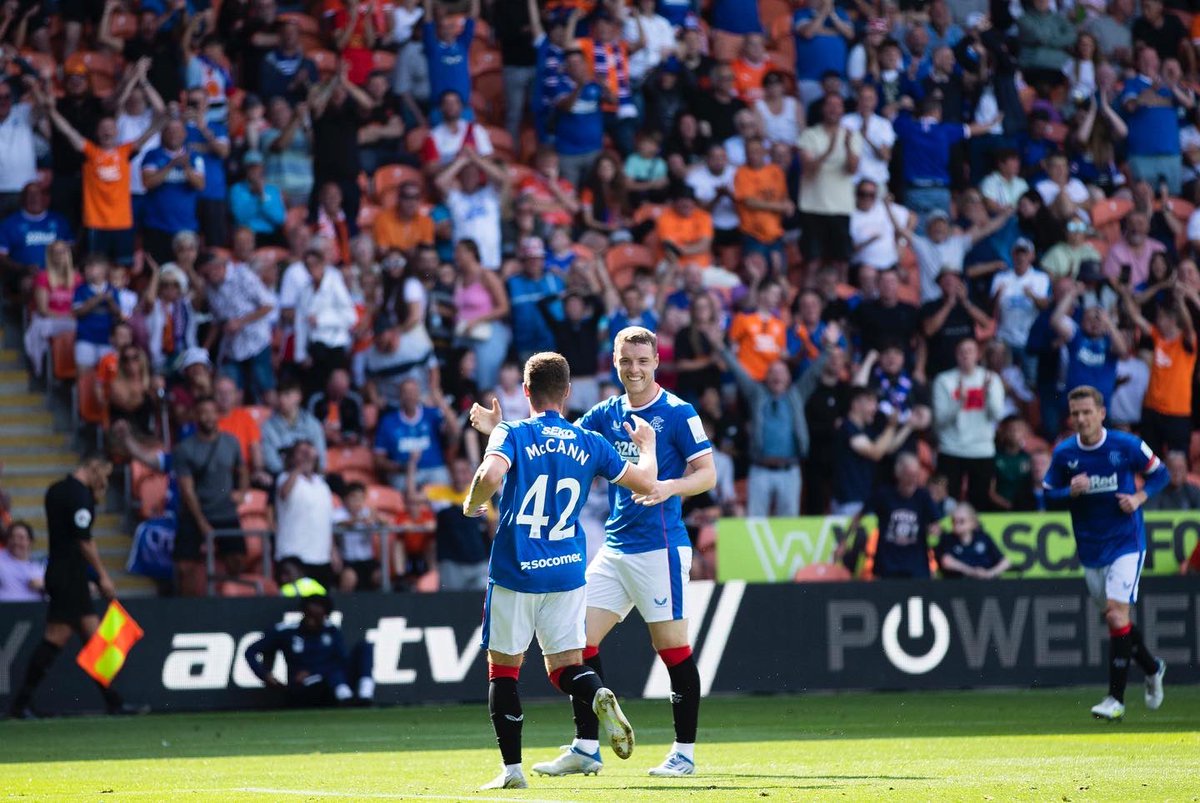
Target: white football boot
<point>620,732</point>
<point>508,779</point>
<point>1109,708</point>
<point>675,765</point>
<point>1154,686</point>
<point>572,761</point>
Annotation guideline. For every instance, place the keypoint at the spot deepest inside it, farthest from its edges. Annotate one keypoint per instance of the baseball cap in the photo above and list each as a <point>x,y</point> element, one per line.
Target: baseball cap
<point>938,214</point>
<point>1024,244</point>
<point>194,356</point>
<point>252,158</point>
<point>532,248</point>
<point>171,272</point>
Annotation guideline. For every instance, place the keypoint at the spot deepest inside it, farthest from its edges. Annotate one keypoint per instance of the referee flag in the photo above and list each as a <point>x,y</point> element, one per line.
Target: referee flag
<point>104,654</point>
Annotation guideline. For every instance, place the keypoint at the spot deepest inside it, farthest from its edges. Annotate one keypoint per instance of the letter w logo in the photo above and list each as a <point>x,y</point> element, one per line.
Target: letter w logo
<point>784,554</point>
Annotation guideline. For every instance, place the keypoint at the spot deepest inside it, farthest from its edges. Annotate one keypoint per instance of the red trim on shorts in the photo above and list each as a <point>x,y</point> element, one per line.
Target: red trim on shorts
<point>497,671</point>
<point>1121,631</point>
<point>674,656</point>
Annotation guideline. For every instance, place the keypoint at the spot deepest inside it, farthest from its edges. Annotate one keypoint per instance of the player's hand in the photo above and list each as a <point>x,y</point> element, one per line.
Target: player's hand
<point>485,420</point>
<point>1080,484</point>
<point>107,588</point>
<point>476,513</point>
<point>642,434</point>
<point>1130,502</point>
<point>661,493</point>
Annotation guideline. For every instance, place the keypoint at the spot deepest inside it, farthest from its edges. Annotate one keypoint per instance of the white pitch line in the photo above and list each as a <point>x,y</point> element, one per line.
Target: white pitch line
<point>261,790</point>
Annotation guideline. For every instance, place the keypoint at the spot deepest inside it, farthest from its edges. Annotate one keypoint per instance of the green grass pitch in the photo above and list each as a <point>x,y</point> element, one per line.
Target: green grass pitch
<point>1035,745</point>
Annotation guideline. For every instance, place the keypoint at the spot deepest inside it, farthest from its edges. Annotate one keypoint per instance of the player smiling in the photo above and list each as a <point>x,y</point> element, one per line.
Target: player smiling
<point>1093,474</point>
<point>646,558</point>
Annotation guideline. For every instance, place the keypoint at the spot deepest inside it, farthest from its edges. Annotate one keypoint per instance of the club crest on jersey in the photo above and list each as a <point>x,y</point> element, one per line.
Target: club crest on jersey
<point>657,423</point>
<point>562,433</point>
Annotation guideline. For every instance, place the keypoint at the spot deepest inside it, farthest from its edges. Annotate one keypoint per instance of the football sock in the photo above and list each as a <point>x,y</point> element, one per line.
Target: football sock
<point>1144,658</point>
<point>1120,647</point>
<point>504,704</point>
<point>39,663</point>
<point>685,749</point>
<point>581,683</point>
<point>685,692</point>
<point>591,657</point>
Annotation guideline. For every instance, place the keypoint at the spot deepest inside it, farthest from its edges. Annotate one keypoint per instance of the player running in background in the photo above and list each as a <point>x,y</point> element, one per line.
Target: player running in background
<point>536,574</point>
<point>647,557</point>
<point>1093,473</point>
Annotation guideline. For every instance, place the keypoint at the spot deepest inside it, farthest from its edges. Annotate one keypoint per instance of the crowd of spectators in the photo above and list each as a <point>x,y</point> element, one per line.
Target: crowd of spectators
<point>879,243</point>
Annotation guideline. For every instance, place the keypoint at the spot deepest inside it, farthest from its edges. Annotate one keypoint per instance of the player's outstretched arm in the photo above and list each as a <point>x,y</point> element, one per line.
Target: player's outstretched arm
<point>485,420</point>
<point>487,481</point>
<point>642,476</point>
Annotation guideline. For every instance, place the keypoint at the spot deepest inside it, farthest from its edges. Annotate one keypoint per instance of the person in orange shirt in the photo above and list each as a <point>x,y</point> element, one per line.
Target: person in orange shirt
<point>685,230</point>
<point>760,190</point>
<point>404,227</point>
<point>238,421</point>
<point>107,199</point>
<point>750,68</point>
<point>759,338</point>
<point>1167,407</point>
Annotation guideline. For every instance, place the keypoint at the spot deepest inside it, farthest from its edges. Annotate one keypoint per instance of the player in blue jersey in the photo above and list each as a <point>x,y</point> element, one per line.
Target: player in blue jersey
<point>536,574</point>
<point>646,558</point>
<point>1092,474</point>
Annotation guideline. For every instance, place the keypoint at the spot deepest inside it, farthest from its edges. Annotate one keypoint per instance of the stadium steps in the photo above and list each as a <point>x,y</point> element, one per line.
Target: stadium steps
<point>35,455</point>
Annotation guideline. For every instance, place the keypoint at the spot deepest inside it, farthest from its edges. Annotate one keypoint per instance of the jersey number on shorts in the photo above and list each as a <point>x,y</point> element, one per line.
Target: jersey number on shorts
<point>536,518</point>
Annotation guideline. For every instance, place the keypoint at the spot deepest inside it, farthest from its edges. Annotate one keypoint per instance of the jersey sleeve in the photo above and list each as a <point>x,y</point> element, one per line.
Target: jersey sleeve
<point>609,465</point>
<point>502,445</point>
<point>1057,482</point>
<point>689,436</point>
<point>81,518</point>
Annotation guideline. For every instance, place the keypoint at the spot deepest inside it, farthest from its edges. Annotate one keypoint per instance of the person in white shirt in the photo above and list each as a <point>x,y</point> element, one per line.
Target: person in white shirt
<point>780,116</point>
<point>878,137</point>
<point>876,226</point>
<point>1002,188</point>
<point>18,160</point>
<point>1018,295</point>
<point>304,517</point>
<point>324,316</point>
<point>651,39</point>
<point>968,403</point>
<point>1061,192</point>
<point>712,182</point>
<point>748,127</point>
<point>474,202</point>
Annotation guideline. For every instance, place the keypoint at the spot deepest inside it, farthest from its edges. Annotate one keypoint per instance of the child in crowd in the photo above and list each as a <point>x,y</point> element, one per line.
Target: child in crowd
<point>354,522</point>
<point>1012,483</point>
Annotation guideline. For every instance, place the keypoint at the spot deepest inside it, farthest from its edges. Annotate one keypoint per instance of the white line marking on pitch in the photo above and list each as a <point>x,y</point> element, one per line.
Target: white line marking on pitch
<point>260,790</point>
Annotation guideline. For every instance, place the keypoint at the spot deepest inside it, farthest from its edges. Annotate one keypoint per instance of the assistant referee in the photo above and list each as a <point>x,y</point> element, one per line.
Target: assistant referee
<point>70,511</point>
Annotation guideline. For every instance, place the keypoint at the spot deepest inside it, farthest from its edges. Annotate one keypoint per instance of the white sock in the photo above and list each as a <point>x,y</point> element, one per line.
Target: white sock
<point>513,769</point>
<point>589,746</point>
<point>688,751</point>
<point>342,692</point>
<point>366,688</point>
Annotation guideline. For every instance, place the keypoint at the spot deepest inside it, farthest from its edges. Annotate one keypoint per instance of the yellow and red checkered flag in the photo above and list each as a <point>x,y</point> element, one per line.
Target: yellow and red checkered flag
<point>104,654</point>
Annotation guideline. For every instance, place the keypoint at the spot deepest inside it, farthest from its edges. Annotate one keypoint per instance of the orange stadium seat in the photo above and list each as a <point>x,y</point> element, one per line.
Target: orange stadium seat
<point>483,59</point>
<point>62,357</point>
<point>622,260</point>
<point>769,11</point>
<point>353,463</point>
<point>123,25</point>
<point>390,177</point>
<point>502,143</point>
<point>89,404</point>
<point>385,501</point>
<point>1107,216</point>
<point>326,61</point>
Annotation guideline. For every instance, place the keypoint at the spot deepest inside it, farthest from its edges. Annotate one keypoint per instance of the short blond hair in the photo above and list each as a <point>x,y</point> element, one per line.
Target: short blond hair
<point>636,335</point>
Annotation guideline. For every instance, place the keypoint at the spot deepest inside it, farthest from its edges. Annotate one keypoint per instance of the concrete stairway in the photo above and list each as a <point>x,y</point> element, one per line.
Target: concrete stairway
<point>35,455</point>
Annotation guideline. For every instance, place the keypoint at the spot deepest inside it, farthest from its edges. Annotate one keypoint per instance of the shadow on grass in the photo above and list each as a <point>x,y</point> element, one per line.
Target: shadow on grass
<point>547,725</point>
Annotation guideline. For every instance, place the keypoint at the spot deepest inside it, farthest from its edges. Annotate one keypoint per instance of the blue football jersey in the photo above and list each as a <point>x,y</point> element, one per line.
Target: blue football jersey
<point>632,527</point>
<point>1103,532</point>
<point>538,547</point>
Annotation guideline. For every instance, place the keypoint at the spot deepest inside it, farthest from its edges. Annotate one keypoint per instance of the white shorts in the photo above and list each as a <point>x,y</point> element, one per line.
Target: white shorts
<point>512,618</point>
<point>1117,581</point>
<point>653,582</point>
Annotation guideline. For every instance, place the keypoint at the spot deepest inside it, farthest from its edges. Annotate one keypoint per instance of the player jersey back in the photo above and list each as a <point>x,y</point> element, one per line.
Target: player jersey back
<point>631,527</point>
<point>1103,532</point>
<point>538,547</point>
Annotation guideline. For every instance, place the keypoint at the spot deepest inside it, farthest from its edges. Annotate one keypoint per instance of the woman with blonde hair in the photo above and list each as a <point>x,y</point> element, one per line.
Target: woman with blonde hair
<point>53,294</point>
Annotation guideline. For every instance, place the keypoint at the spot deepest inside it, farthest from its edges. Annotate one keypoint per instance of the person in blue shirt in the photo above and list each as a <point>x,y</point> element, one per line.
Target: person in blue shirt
<point>211,140</point>
<point>448,52</point>
<point>646,558</point>
<point>408,440</point>
<point>550,42</point>
<point>927,143</point>
<point>97,308</point>
<point>25,233</point>
<point>320,671</point>
<point>906,517</point>
<point>258,205</point>
<point>967,550</point>
<point>579,118</point>
<point>1150,107</point>
<point>531,332</point>
<point>1093,474</point>
<point>1094,345</point>
<point>174,177</point>
<point>823,33</point>
<point>536,575</point>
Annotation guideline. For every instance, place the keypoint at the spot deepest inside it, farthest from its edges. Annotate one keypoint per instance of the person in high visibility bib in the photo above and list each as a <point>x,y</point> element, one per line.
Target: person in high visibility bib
<point>70,512</point>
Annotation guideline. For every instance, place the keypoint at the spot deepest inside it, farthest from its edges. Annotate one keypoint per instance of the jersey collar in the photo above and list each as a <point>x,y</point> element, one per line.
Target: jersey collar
<point>548,414</point>
<point>648,404</point>
<point>1097,444</point>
